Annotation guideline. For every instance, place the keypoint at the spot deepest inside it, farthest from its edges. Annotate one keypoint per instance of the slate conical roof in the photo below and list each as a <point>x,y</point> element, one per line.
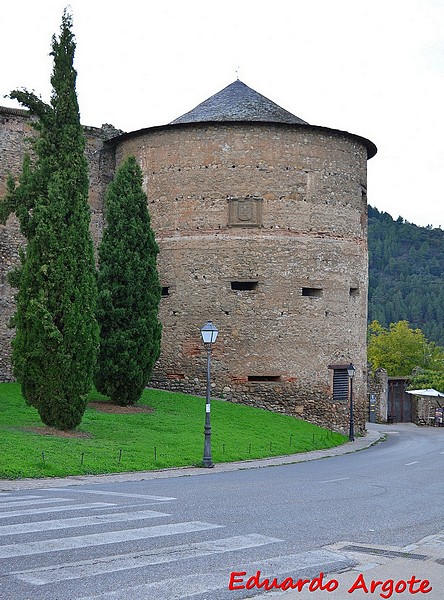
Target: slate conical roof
<point>238,102</point>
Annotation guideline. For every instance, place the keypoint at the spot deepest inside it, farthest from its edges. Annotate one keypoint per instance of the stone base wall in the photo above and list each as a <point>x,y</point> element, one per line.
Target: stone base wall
<point>378,385</point>
<point>310,403</point>
<point>424,410</point>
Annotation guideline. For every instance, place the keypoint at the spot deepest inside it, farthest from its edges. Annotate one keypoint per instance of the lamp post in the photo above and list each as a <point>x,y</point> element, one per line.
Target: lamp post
<point>351,373</point>
<point>209,334</point>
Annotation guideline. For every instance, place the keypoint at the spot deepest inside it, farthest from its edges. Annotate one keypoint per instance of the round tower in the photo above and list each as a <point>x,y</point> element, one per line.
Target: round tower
<point>261,220</point>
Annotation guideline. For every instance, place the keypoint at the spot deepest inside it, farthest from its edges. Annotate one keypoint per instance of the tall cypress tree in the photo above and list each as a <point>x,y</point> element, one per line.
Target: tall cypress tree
<point>56,339</point>
<point>129,290</point>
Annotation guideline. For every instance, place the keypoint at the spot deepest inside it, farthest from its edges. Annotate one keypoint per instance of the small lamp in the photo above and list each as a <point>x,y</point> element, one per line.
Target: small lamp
<point>209,333</point>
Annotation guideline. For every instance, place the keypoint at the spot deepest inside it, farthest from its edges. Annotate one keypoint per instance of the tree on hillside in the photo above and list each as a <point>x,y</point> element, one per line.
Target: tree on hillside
<point>55,345</point>
<point>399,349</point>
<point>129,290</point>
<point>427,378</point>
<point>406,274</point>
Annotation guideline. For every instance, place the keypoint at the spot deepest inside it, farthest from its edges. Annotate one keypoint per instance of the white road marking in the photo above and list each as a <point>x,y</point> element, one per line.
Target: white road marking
<point>110,564</point>
<point>11,497</point>
<point>198,583</point>
<point>103,493</point>
<point>333,480</point>
<point>14,504</point>
<point>51,509</point>
<point>98,539</point>
<point>79,522</point>
<point>411,463</point>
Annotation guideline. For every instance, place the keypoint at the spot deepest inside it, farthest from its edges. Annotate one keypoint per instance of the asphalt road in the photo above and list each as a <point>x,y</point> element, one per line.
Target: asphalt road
<point>181,537</point>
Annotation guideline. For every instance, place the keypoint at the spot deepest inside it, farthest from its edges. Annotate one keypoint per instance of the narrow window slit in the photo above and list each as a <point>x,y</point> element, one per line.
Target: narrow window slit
<point>245,286</point>
<point>312,292</point>
<point>259,378</point>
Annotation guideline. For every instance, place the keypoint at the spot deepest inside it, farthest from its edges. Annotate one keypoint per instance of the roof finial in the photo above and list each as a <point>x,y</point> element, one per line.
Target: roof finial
<point>237,73</point>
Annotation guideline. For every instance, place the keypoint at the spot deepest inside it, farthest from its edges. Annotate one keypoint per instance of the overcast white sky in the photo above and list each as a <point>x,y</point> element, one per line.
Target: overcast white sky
<point>371,67</point>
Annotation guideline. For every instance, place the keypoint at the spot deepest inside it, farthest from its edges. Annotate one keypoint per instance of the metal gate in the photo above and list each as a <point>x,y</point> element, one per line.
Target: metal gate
<point>399,402</point>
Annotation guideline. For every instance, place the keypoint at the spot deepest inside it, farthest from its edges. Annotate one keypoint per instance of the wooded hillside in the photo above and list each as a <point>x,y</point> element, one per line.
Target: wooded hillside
<point>406,274</point>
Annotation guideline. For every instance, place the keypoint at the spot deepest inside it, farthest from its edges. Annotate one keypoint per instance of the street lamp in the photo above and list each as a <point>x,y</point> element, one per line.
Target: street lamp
<point>351,373</point>
<point>209,334</point>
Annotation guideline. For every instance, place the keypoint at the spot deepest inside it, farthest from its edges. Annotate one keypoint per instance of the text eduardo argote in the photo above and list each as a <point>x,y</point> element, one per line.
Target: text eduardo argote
<point>385,589</point>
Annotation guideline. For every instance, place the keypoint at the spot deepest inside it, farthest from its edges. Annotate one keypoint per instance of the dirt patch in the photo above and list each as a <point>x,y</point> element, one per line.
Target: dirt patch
<point>106,407</point>
<point>57,432</point>
<point>120,410</point>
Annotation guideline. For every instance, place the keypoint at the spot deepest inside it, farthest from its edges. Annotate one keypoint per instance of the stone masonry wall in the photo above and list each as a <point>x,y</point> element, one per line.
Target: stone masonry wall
<point>15,132</point>
<point>280,207</point>
<point>15,128</point>
<point>378,385</point>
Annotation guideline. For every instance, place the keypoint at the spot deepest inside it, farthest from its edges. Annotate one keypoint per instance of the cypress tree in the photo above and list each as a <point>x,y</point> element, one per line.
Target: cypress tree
<point>129,290</point>
<point>55,345</point>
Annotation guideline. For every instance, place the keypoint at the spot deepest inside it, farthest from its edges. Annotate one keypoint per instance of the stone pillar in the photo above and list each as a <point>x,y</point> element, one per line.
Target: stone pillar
<point>378,385</point>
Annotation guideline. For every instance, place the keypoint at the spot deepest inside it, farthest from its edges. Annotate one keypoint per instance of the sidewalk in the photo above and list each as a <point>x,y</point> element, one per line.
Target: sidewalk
<point>373,435</point>
<point>423,561</point>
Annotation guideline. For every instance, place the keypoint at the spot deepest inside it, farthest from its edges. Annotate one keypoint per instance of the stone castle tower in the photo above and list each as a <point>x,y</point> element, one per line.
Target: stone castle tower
<point>261,220</point>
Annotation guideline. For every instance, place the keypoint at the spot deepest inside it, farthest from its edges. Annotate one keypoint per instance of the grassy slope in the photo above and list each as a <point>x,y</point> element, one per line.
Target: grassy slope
<point>172,435</point>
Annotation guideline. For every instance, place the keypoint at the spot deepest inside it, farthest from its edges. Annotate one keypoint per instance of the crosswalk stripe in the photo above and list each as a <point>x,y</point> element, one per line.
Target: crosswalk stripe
<point>306,564</point>
<point>11,497</point>
<point>14,504</point>
<point>173,589</point>
<point>104,493</point>
<point>51,509</point>
<point>97,539</point>
<point>19,528</point>
<point>121,562</point>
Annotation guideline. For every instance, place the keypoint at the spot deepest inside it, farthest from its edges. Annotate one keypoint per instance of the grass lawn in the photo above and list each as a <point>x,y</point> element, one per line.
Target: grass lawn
<point>170,435</point>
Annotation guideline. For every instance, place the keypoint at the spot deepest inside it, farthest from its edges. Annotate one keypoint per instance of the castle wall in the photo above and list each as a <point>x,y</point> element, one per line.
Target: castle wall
<point>283,210</point>
<point>15,133</point>
<point>378,385</point>
<point>280,212</point>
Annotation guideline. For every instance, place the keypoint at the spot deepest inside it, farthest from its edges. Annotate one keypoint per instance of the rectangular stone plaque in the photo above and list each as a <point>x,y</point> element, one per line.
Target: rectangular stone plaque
<point>245,212</point>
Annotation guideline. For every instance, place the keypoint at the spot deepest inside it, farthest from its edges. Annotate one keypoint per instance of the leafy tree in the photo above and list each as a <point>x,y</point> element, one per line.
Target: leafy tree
<point>56,339</point>
<point>129,290</point>
<point>400,349</point>
<point>428,378</point>
<point>406,274</point>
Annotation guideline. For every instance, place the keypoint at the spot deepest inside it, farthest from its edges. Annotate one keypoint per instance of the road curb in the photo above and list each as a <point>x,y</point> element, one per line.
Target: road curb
<point>423,560</point>
<point>372,437</point>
